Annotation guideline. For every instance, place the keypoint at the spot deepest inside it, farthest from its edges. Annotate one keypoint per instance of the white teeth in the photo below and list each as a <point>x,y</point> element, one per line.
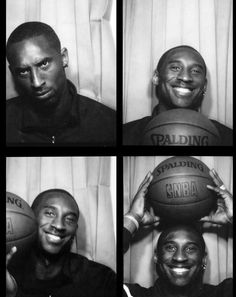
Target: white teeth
<point>183,90</point>
<point>180,270</point>
<point>53,238</point>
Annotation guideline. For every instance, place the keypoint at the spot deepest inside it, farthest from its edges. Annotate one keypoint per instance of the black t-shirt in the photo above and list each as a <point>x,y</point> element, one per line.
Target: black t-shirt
<point>79,277</point>
<point>85,122</point>
<point>224,289</point>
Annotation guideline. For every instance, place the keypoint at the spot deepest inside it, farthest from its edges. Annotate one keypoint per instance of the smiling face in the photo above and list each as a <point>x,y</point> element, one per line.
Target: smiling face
<point>57,215</point>
<point>182,79</point>
<point>180,256</point>
<point>37,68</point>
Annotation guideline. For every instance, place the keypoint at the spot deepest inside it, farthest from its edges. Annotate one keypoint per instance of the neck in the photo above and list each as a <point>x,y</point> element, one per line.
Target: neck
<point>162,108</point>
<point>48,266</point>
<point>191,290</point>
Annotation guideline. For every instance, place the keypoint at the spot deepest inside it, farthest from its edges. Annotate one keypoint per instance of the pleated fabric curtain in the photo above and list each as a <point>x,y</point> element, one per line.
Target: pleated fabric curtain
<point>151,27</point>
<point>88,180</point>
<point>83,26</point>
<point>139,264</point>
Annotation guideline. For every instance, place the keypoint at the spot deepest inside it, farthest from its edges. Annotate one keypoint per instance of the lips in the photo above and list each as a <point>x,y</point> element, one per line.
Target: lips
<point>42,95</point>
<point>52,238</point>
<point>182,91</point>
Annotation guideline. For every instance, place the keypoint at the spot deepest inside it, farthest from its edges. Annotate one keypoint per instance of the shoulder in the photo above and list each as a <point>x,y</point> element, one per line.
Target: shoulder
<point>13,103</point>
<point>224,289</point>
<point>132,131</point>
<point>225,132</point>
<point>135,290</point>
<point>95,279</point>
<point>83,264</point>
<point>93,106</point>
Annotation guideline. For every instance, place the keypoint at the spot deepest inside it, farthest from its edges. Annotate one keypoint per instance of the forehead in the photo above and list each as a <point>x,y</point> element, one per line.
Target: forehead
<point>182,236</point>
<point>184,54</point>
<point>58,200</point>
<point>32,48</point>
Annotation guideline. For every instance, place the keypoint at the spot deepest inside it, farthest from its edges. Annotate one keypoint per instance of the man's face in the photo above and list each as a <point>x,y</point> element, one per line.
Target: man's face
<point>38,70</point>
<point>57,218</point>
<point>180,257</point>
<point>182,79</point>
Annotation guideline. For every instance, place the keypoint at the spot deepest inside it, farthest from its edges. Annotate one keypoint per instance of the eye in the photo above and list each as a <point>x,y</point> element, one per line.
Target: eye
<point>196,71</point>
<point>71,220</point>
<point>49,213</point>
<point>191,249</point>
<point>44,64</point>
<point>175,68</point>
<point>23,72</point>
<point>170,248</point>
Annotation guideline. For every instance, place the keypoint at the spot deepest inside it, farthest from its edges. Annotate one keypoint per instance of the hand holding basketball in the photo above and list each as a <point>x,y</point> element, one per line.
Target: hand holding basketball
<point>224,211</point>
<point>138,205</point>
<point>11,286</point>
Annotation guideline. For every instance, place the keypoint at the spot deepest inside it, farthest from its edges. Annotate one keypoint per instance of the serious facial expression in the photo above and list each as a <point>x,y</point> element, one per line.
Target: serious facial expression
<point>182,79</point>
<point>180,257</point>
<point>38,70</point>
<point>57,218</point>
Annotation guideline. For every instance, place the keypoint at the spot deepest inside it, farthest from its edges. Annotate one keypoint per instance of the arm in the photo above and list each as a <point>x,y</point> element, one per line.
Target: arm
<point>138,215</point>
<point>224,211</point>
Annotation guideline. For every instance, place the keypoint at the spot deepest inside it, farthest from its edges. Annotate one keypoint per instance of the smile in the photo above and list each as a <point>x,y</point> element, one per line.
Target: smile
<point>182,91</point>
<point>53,238</point>
<point>180,271</point>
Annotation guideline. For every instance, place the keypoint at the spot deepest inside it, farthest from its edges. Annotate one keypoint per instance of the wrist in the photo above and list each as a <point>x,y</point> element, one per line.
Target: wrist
<point>131,223</point>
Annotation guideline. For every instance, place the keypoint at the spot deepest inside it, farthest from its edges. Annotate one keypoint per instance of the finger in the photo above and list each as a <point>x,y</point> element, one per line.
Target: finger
<point>218,190</point>
<point>145,180</point>
<point>10,254</point>
<point>217,180</point>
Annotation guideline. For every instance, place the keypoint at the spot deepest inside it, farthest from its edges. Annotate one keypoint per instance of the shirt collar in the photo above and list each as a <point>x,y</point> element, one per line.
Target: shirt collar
<point>32,121</point>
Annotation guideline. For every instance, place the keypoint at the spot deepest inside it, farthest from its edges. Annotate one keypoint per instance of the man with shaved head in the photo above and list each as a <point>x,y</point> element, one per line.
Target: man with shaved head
<point>48,110</point>
<point>180,256</point>
<point>50,269</point>
<point>180,80</point>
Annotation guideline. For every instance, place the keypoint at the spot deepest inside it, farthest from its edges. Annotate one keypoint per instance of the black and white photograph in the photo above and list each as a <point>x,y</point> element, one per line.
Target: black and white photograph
<point>61,226</point>
<point>61,72</point>
<point>178,73</point>
<point>178,215</point>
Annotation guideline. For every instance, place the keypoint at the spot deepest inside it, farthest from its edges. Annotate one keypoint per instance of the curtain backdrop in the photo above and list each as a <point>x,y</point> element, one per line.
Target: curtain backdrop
<point>88,180</point>
<point>151,27</point>
<point>138,260</point>
<point>83,26</point>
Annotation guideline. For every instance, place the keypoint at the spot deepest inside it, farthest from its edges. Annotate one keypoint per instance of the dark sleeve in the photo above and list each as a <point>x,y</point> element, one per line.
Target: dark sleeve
<point>133,131</point>
<point>226,134</point>
<point>126,240</point>
<point>225,289</point>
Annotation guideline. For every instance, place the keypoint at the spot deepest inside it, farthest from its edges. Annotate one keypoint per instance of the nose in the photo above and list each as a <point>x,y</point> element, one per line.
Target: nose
<point>180,256</point>
<point>36,79</point>
<point>58,223</point>
<point>184,75</point>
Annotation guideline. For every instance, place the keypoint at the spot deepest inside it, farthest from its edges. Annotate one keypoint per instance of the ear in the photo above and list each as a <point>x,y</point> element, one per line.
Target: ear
<point>64,56</point>
<point>204,260</point>
<point>205,85</point>
<point>155,258</point>
<point>155,78</point>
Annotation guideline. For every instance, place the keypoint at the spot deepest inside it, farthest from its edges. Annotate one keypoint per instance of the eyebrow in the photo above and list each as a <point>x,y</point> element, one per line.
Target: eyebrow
<point>188,242</point>
<point>53,207</point>
<point>24,67</point>
<point>194,65</point>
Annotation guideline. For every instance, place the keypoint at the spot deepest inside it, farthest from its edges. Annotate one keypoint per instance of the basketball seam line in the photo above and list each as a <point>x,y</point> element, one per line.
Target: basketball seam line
<point>183,175</point>
<point>24,237</point>
<point>169,204</point>
<point>148,130</point>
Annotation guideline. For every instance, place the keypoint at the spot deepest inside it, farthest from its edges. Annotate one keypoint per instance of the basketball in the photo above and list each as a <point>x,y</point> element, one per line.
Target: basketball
<point>178,190</point>
<point>181,127</point>
<point>21,225</point>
